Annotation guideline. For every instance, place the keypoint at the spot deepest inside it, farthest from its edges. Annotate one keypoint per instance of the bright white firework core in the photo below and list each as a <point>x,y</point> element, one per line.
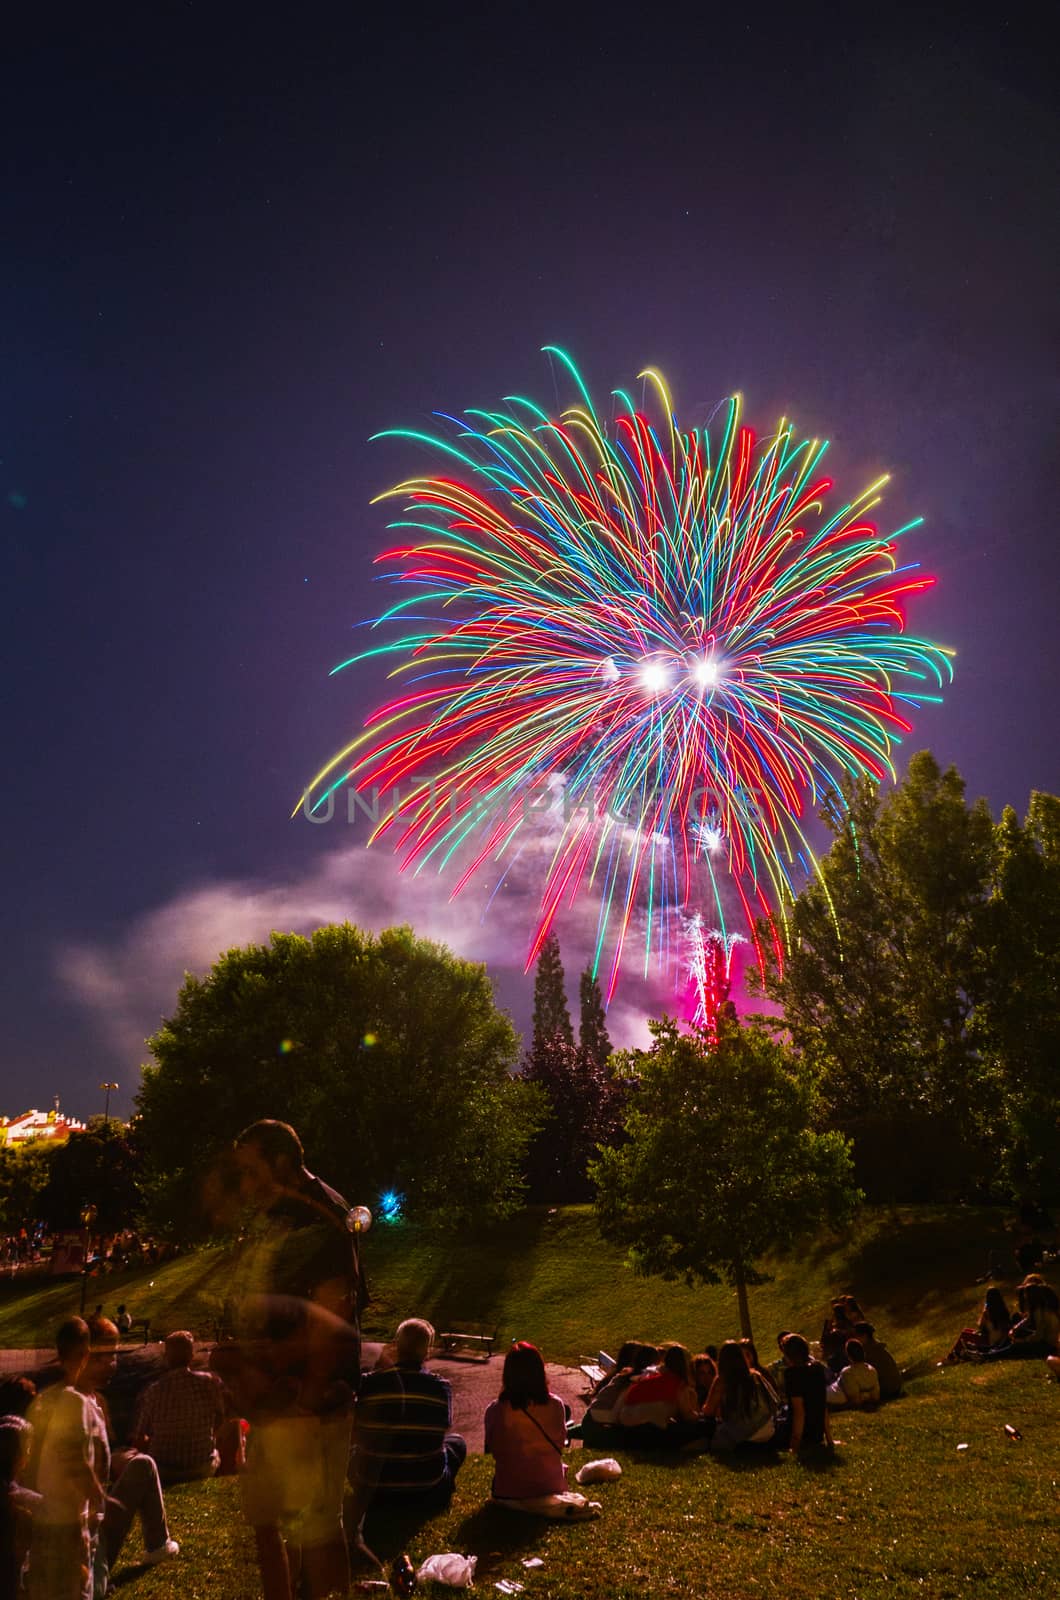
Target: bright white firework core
<point>705,673</point>
<point>654,677</point>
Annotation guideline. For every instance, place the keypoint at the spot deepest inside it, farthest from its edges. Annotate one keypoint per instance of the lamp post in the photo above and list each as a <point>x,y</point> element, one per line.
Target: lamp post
<point>106,1104</point>
<point>88,1217</point>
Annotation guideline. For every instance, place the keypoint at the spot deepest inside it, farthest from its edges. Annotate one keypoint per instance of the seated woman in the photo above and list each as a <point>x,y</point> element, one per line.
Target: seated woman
<point>660,1401</point>
<point>992,1332</point>
<point>741,1403</point>
<point>526,1430</point>
<point>858,1384</point>
<point>1038,1328</point>
<point>704,1371</point>
<point>598,1426</point>
<point>837,1329</point>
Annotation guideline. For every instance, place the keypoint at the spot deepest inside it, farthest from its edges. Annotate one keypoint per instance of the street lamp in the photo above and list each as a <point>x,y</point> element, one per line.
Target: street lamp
<point>88,1217</point>
<point>106,1104</point>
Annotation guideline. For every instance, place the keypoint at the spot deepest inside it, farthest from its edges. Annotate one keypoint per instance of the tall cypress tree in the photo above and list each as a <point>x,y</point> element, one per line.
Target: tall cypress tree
<point>551,1017</point>
<point>593,1040</point>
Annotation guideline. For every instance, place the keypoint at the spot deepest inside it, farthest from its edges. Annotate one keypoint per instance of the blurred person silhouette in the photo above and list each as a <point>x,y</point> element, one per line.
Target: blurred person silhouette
<point>61,1469</point>
<point>298,1312</point>
<point>17,1504</point>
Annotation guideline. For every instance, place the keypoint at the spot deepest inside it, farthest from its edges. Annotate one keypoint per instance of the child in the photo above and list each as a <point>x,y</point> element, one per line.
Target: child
<point>17,1504</point>
<point>858,1384</point>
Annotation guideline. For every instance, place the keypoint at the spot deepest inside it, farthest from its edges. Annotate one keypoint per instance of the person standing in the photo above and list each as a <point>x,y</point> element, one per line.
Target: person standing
<point>62,1471</point>
<point>299,1325</point>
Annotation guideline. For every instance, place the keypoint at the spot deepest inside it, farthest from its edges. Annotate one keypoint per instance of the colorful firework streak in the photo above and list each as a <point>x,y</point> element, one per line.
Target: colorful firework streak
<point>710,972</point>
<point>674,634</point>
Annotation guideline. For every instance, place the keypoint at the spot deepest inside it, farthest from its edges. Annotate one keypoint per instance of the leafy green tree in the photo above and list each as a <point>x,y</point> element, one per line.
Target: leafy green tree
<point>723,1164</point>
<point>881,979</point>
<point>1017,1023</point>
<point>103,1166</point>
<point>23,1176</point>
<point>594,1042</point>
<point>551,1017</point>
<point>388,1054</point>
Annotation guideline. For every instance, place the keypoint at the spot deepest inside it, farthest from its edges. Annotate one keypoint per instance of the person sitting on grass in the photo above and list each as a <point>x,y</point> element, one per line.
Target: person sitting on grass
<point>179,1415</point>
<point>704,1371</point>
<point>741,1403</point>
<point>659,1399</point>
<point>993,1330</point>
<point>134,1487</point>
<point>858,1384</point>
<point>806,1388</point>
<point>525,1432</point>
<point>887,1369</point>
<point>633,1360</point>
<point>405,1447</point>
<point>17,1505</point>
<point>1038,1328</point>
<point>837,1329</point>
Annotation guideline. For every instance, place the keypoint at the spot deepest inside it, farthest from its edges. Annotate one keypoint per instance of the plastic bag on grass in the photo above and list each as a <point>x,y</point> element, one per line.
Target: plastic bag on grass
<point>455,1570</point>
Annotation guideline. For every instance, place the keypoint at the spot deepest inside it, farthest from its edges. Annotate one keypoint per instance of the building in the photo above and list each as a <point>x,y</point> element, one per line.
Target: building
<point>52,1125</point>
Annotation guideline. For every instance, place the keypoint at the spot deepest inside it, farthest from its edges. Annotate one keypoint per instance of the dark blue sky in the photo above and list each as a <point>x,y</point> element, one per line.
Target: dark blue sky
<point>232,250</point>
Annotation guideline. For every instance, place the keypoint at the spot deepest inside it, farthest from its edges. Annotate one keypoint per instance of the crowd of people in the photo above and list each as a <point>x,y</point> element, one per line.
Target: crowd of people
<point>316,1439</point>
<point>1033,1329</point>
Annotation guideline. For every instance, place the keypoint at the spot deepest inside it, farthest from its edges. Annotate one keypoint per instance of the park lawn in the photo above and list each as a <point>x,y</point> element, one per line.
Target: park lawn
<point>547,1276</point>
<point>898,1512</point>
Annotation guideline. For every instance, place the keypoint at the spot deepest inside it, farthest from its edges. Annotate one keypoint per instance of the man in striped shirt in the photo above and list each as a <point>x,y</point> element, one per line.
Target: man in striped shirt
<point>404,1445</point>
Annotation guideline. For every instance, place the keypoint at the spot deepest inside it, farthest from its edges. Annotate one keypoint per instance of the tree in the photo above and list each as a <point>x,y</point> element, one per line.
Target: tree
<point>582,1097</point>
<point>102,1165</point>
<point>722,1164</point>
<point>880,980</point>
<point>388,1054</point>
<point>551,1017</point>
<point>593,1039</point>
<point>23,1176</point>
<point>1017,1024</point>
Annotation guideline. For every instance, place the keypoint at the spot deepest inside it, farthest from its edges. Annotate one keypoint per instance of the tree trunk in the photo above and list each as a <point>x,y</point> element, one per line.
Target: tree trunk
<point>741,1301</point>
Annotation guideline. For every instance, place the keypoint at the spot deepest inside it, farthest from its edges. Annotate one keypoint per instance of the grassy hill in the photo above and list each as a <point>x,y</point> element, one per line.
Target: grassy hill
<point>898,1512</point>
<point>547,1276</point>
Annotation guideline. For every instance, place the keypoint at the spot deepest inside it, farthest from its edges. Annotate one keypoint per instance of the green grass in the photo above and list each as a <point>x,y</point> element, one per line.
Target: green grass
<point>550,1278</point>
<point>898,1512</point>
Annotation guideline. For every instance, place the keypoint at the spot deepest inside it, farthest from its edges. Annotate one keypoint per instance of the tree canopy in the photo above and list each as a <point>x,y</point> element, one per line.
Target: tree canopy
<point>388,1055</point>
<point>922,981</point>
<point>723,1163</point>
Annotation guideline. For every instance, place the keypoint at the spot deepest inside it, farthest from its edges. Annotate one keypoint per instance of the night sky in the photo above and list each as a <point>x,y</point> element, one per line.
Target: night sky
<point>233,250</point>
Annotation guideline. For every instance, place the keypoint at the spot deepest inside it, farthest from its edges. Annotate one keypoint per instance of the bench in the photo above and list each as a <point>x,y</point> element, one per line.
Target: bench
<point>471,1341</point>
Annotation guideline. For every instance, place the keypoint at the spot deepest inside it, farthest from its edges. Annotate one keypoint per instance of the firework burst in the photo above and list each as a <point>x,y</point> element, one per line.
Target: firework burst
<point>682,634</point>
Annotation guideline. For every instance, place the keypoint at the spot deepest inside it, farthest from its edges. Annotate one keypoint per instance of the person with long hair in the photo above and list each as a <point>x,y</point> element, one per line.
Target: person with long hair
<point>741,1403</point>
<point>665,1396</point>
<point>991,1332</point>
<point>525,1433</point>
